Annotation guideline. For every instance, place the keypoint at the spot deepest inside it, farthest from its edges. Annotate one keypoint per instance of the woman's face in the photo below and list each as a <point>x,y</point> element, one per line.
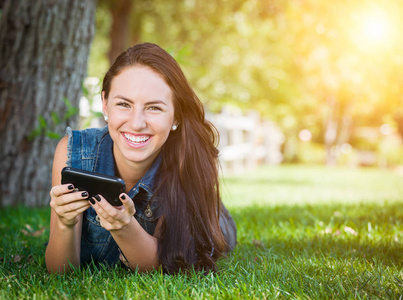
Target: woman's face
<point>140,114</point>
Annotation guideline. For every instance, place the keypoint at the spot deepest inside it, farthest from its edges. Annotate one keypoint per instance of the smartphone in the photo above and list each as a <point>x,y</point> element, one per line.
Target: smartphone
<point>109,187</point>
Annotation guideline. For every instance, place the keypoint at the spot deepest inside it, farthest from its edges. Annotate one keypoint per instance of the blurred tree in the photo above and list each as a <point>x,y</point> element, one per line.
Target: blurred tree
<point>232,51</point>
<point>44,47</point>
<point>341,69</point>
<point>120,11</point>
<point>119,26</point>
<point>236,57</point>
<point>312,64</point>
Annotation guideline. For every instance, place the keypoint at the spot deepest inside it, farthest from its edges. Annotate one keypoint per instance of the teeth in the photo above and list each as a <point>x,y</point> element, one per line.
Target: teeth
<point>138,139</point>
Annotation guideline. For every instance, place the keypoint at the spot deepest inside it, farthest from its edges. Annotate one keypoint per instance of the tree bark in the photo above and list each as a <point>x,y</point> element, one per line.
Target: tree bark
<point>44,47</point>
<point>331,130</point>
<point>119,35</point>
<point>338,128</point>
<point>398,117</point>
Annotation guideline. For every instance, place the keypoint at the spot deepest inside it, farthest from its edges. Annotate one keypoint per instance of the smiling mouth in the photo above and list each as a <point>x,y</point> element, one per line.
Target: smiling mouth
<point>136,139</point>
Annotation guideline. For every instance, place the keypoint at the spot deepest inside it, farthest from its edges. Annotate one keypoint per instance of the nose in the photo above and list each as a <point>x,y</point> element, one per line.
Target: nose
<point>138,119</point>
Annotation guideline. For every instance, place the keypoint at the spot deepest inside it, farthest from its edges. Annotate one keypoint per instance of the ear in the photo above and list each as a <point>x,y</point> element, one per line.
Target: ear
<point>175,125</point>
<point>104,102</point>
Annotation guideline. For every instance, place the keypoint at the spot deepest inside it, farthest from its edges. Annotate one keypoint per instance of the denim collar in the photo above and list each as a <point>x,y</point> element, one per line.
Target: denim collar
<point>105,164</point>
<point>148,180</point>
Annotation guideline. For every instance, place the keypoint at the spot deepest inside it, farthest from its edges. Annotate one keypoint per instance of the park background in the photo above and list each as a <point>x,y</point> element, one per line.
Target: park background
<point>328,75</point>
<point>324,79</point>
<point>307,95</point>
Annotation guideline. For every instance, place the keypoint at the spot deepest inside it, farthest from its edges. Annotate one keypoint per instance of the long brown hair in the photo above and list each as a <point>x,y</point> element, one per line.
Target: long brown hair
<point>188,184</point>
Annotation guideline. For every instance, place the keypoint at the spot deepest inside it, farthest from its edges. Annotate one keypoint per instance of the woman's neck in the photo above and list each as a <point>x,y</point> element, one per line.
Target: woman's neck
<point>130,177</point>
<point>131,172</point>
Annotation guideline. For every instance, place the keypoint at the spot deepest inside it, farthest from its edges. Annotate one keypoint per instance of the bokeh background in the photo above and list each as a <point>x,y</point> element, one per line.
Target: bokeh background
<point>327,75</point>
<point>285,82</point>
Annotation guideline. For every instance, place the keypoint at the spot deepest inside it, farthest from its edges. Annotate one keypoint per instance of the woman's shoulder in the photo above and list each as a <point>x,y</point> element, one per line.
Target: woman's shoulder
<point>81,144</point>
<point>89,133</point>
<point>85,138</point>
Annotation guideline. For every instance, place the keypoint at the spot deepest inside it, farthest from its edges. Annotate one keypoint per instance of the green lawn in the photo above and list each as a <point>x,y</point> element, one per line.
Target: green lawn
<point>303,232</point>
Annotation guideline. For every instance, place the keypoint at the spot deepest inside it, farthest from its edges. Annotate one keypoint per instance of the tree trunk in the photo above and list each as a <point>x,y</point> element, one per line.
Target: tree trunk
<point>44,47</point>
<point>338,129</point>
<point>331,130</point>
<point>119,35</point>
<point>398,117</point>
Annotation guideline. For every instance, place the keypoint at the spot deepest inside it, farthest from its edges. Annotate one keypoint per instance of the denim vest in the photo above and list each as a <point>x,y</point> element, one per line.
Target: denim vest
<point>91,150</point>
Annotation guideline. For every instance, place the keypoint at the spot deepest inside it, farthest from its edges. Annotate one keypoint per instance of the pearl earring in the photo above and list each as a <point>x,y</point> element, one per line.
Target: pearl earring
<point>106,118</point>
<point>174,127</point>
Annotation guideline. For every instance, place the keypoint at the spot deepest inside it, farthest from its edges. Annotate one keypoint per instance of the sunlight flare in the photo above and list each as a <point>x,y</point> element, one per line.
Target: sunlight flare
<point>374,29</point>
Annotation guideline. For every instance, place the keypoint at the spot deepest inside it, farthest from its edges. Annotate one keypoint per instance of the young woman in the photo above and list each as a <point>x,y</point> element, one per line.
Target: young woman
<point>158,141</point>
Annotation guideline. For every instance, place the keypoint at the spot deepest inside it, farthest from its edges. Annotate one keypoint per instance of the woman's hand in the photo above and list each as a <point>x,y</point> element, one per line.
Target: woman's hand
<point>68,204</point>
<point>114,217</point>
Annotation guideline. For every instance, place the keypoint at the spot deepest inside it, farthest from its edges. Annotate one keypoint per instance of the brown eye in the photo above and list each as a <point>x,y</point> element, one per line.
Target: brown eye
<point>154,108</point>
<point>123,104</point>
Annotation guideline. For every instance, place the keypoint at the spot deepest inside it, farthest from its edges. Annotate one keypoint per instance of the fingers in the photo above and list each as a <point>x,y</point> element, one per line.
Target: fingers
<point>104,209</point>
<point>101,206</point>
<point>127,203</point>
<point>68,204</point>
<point>78,210</point>
<point>65,200</point>
<point>113,217</point>
<point>58,190</point>
<point>68,198</point>
<point>74,206</point>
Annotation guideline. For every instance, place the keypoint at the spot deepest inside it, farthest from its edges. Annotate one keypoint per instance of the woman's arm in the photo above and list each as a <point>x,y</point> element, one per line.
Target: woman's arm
<point>66,218</point>
<point>139,247</point>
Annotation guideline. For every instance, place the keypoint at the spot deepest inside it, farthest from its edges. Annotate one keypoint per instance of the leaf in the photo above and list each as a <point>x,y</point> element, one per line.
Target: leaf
<point>42,122</point>
<point>17,258</point>
<point>258,244</point>
<point>84,90</point>
<point>181,55</point>
<point>24,232</point>
<point>34,133</point>
<point>97,114</point>
<point>38,233</point>
<point>350,230</point>
<point>30,231</point>
<point>326,231</point>
<point>8,278</point>
<point>53,135</point>
<point>67,103</point>
<point>71,112</point>
<point>55,118</point>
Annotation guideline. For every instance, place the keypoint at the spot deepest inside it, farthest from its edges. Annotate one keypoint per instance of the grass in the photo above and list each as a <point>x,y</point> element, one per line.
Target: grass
<point>303,232</point>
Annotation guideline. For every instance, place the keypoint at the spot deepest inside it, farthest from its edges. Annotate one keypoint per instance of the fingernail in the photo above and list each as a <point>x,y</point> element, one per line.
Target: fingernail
<point>84,194</point>
<point>92,201</point>
<point>70,187</point>
<point>97,198</point>
<point>123,197</point>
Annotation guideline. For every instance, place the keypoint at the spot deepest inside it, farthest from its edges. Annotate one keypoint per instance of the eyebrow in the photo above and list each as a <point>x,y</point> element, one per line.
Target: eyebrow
<point>156,101</point>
